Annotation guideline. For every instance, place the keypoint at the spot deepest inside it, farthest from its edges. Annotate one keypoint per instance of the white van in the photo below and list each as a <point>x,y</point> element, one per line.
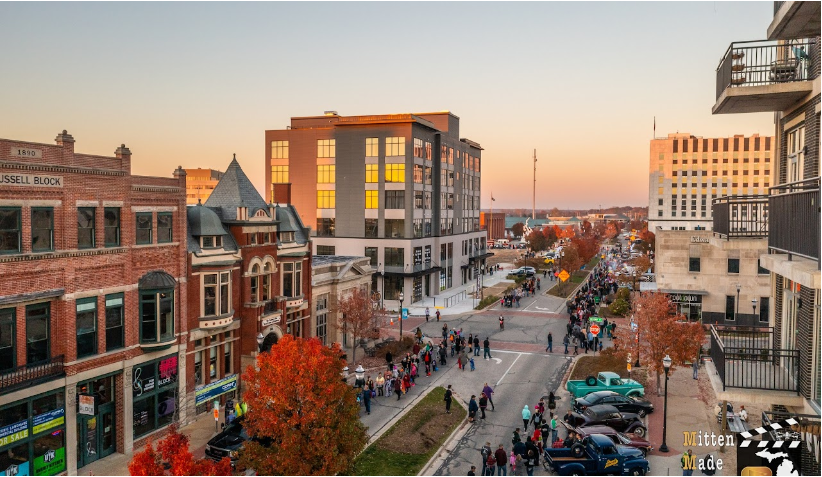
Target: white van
<point>501,243</point>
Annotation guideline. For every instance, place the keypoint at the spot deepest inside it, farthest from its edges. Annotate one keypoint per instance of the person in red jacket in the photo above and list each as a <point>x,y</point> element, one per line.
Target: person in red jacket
<point>502,461</point>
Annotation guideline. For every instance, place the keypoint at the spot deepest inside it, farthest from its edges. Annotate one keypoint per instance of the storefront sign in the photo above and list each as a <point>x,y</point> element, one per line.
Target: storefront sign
<point>271,321</point>
<point>698,239</point>
<point>21,468</point>
<point>31,180</point>
<point>14,432</point>
<point>209,391</point>
<point>168,371</point>
<point>86,404</point>
<point>52,462</point>
<point>45,421</point>
<point>23,152</point>
<point>686,298</point>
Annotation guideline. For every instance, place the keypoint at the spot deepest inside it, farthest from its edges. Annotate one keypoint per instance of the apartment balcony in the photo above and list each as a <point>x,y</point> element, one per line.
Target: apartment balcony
<point>747,357</point>
<point>765,76</point>
<point>794,20</point>
<point>29,375</point>
<point>409,270</point>
<point>794,219</point>
<point>741,216</point>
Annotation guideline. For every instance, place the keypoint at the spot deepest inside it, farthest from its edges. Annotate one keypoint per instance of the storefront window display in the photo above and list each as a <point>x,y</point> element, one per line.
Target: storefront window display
<point>154,390</point>
<point>32,436</point>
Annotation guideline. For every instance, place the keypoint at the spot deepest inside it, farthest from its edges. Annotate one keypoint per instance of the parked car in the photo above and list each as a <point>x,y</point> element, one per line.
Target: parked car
<point>605,381</point>
<point>620,438</point>
<point>595,455</point>
<point>523,271</point>
<point>605,415</point>
<point>228,442</point>
<point>622,403</point>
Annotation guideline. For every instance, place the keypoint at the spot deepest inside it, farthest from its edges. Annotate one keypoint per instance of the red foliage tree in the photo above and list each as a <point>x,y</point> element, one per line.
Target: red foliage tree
<point>358,317</point>
<point>585,228</point>
<point>660,332</point>
<point>648,237</point>
<point>517,229</point>
<point>536,241</point>
<point>611,230</point>
<point>172,457</point>
<point>305,413</point>
<point>550,234</point>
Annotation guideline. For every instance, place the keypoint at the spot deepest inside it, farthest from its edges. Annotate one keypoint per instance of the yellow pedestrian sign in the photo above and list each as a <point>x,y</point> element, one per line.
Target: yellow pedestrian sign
<point>563,275</point>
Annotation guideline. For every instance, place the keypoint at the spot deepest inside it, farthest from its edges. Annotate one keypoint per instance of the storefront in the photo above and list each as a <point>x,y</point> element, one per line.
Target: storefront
<point>205,396</point>
<point>154,390</point>
<point>96,419</point>
<point>33,435</point>
<point>688,303</point>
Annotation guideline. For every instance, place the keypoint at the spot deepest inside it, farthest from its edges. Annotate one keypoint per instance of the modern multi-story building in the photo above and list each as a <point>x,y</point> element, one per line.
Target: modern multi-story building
<point>780,74</point>
<point>92,306</point>
<point>200,183</point>
<point>401,189</point>
<point>687,172</point>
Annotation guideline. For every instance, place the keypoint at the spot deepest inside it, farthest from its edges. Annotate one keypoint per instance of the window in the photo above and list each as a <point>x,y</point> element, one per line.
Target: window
<point>326,199</point>
<point>693,264</point>
<point>37,333</point>
<point>325,227</point>
<point>325,250</point>
<point>371,230</point>
<point>659,213</point>
<point>42,229</point>
<point>86,327</point>
<point>428,175</point>
<point>10,233</point>
<point>730,308</point>
<point>733,265</point>
<point>111,224</point>
<point>371,252</point>
<point>155,395</point>
<point>418,199</point>
<point>143,228</point>
<point>212,363</point>
<point>8,347</point>
<point>372,173</point>
<point>326,147</point>
<point>254,283</point>
<point>164,227</point>
<point>418,149</point>
<point>322,320</point>
<point>417,174</point>
<point>85,227</point>
<point>266,282</point>
<point>764,309</point>
<point>279,150</point>
<point>326,174</point>
<point>394,257</point>
<point>292,279</point>
<point>394,146</point>
<point>417,228</point>
<point>114,322</point>
<point>156,316</point>
<point>372,199</point>
<point>395,199</point>
<point>279,174</point>
<point>395,173</point>
<point>760,270</point>
<point>227,348</point>
<point>209,241</point>
<point>394,228</point>
<point>372,147</point>
<point>660,201</point>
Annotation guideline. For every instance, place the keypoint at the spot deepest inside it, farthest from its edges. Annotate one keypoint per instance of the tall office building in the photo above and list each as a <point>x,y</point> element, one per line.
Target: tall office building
<point>401,189</point>
<point>200,183</point>
<point>686,172</point>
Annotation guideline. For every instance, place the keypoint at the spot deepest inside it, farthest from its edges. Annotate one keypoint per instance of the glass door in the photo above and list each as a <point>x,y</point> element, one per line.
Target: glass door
<point>108,430</point>
<point>87,432</point>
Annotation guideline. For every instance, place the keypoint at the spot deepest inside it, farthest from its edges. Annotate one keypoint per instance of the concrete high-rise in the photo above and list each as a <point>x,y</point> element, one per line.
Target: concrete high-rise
<point>401,189</point>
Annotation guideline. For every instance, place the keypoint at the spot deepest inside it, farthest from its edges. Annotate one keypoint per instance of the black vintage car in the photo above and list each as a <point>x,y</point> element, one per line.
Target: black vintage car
<point>622,403</point>
<point>228,442</point>
<point>606,415</point>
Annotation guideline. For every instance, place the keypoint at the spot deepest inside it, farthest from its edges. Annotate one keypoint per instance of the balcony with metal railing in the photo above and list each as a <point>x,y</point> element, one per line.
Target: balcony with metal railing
<point>798,19</point>
<point>31,374</point>
<point>743,216</point>
<point>764,76</point>
<point>794,221</point>
<point>748,357</point>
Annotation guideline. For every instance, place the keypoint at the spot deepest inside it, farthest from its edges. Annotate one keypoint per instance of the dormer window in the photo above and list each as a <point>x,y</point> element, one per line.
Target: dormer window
<point>211,241</point>
<point>286,237</point>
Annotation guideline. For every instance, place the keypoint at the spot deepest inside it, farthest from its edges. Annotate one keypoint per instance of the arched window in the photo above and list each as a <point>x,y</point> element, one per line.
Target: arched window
<point>255,272</point>
<point>267,281</point>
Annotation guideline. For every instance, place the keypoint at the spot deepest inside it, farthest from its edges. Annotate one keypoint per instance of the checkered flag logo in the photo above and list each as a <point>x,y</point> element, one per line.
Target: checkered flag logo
<point>747,436</point>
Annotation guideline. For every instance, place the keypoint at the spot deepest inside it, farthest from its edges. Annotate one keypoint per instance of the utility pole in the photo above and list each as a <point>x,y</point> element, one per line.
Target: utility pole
<point>491,220</point>
<point>534,197</point>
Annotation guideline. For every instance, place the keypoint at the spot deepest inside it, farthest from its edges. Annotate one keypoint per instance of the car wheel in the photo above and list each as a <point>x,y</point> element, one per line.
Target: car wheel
<point>637,471</point>
<point>640,431</point>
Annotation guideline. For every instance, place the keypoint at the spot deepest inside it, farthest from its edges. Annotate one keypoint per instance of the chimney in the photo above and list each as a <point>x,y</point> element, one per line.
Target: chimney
<point>282,193</point>
<point>124,154</point>
<point>66,141</point>
<point>180,174</point>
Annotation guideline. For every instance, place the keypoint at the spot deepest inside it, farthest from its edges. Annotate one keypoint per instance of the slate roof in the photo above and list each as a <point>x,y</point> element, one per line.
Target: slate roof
<point>289,221</point>
<point>203,220</point>
<point>235,190</point>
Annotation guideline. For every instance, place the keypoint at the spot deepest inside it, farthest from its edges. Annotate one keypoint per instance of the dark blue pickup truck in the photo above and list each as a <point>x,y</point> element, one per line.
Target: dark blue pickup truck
<point>596,455</point>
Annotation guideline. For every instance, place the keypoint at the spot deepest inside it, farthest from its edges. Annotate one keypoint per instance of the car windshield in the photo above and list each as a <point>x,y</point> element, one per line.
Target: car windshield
<point>623,438</point>
<point>236,429</point>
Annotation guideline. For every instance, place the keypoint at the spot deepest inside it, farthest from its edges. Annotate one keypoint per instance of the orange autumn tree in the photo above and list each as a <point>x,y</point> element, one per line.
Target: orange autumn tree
<point>661,333</point>
<point>172,457</point>
<point>301,409</point>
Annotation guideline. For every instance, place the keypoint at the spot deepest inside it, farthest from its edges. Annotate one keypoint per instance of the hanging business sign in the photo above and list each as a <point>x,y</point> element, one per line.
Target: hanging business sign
<point>209,391</point>
<point>86,403</point>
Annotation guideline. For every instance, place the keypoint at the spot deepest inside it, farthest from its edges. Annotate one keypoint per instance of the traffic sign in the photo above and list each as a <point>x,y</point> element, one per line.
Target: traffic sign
<point>629,366</point>
<point>563,275</point>
<point>595,319</point>
<point>595,329</point>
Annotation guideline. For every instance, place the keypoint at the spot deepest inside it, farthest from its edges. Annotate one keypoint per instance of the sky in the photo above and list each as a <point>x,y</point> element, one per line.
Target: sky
<point>193,83</point>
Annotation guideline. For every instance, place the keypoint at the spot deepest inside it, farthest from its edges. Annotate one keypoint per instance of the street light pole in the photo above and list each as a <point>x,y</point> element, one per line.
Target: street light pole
<point>666,364</point>
<point>738,288</point>
<point>401,299</point>
<point>753,302</point>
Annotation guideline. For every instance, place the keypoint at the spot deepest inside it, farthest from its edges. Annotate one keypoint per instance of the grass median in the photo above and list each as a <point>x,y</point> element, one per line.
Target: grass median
<point>411,441</point>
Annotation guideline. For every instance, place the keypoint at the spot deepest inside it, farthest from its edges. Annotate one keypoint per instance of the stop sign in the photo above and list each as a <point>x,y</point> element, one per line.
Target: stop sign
<point>595,329</point>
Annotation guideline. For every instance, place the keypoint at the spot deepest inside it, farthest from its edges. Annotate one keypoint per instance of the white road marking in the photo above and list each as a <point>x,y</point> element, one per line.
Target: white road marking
<point>499,361</point>
<point>509,369</point>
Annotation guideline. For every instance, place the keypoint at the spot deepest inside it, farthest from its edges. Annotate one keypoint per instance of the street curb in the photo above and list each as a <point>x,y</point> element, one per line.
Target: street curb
<point>446,448</point>
<point>388,425</point>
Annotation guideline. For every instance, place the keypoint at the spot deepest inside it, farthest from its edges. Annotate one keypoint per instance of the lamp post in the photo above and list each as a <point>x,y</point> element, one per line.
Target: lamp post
<point>753,303</point>
<point>401,299</point>
<point>738,288</point>
<point>260,339</point>
<point>381,273</point>
<point>666,363</point>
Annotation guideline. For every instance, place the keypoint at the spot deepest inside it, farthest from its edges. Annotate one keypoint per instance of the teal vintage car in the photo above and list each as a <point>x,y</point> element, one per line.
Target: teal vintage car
<point>605,381</point>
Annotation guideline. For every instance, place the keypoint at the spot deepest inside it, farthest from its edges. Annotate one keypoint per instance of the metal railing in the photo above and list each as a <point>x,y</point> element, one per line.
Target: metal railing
<point>794,218</point>
<point>454,299</point>
<point>764,62</point>
<point>746,357</point>
<point>741,216</point>
<point>27,375</point>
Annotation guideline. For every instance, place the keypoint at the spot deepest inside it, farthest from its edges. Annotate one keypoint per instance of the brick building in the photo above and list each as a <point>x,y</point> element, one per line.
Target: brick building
<point>494,224</point>
<point>91,258</point>
<point>249,276</point>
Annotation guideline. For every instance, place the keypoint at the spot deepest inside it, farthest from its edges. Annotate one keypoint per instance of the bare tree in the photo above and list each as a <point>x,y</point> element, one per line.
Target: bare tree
<point>357,316</point>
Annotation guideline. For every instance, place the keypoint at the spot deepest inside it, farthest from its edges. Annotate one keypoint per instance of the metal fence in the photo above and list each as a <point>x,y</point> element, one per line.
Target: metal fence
<point>27,375</point>
<point>741,216</point>
<point>745,357</point>
<point>795,218</point>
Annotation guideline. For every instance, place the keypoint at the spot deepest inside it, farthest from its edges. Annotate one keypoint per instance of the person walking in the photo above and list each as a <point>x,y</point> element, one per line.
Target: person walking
<point>550,347</point>
<point>438,316</point>
<point>472,408</point>
<point>464,359</point>
<point>476,345</point>
<point>553,427</point>
<point>569,419</point>
<point>526,417</point>
<point>444,329</point>
<point>447,399</point>
<point>489,394</point>
<point>473,470</point>
<point>427,314</point>
<point>515,439</point>
<point>483,404</point>
<point>687,463</point>
<point>486,345</point>
<point>502,460</point>
<point>485,452</point>
<point>366,399</point>
<point>501,322</point>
